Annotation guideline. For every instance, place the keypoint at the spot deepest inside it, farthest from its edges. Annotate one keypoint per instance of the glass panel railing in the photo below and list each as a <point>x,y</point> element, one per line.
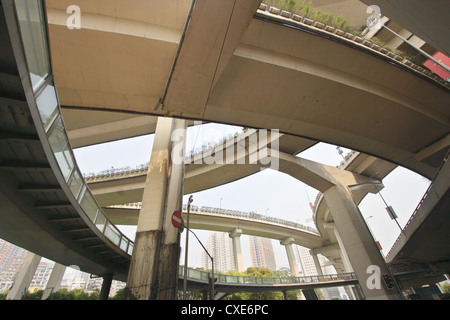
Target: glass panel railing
<point>268,280</point>
<point>47,103</point>
<point>61,149</point>
<point>88,204</point>
<point>34,38</point>
<point>286,280</point>
<point>76,183</point>
<point>100,222</point>
<point>195,274</point>
<point>33,33</point>
<point>123,244</point>
<point>246,280</point>
<point>112,233</point>
<point>130,248</point>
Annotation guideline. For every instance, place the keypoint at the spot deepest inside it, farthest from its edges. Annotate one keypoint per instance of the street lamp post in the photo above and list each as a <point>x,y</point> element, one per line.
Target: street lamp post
<point>391,213</point>
<point>211,280</point>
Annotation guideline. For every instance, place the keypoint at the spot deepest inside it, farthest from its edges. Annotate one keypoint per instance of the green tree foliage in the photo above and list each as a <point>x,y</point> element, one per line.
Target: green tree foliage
<point>36,295</point>
<point>76,294</point>
<point>260,273</point>
<point>446,287</point>
<point>3,295</point>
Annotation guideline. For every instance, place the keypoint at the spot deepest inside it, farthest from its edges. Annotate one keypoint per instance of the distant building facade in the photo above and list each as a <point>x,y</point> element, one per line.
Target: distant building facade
<point>261,252</point>
<point>220,247</point>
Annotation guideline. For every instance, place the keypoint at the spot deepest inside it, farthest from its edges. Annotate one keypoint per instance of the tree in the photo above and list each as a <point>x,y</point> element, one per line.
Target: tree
<point>268,295</point>
<point>76,294</point>
<point>120,295</point>
<point>36,295</point>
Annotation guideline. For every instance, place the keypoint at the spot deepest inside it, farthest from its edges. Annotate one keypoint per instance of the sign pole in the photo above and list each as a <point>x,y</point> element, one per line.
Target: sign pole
<point>186,249</point>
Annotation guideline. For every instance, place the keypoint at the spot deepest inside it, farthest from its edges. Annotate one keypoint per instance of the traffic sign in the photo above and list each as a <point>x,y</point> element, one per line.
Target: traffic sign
<point>176,219</point>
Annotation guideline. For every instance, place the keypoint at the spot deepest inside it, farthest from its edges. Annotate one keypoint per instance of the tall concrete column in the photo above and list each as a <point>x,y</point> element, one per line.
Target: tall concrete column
<point>316,261</point>
<point>235,235</point>
<point>24,277</point>
<point>358,242</point>
<point>54,281</point>
<point>154,264</point>
<point>106,287</point>
<point>168,285</point>
<point>287,243</point>
<point>345,260</point>
<point>344,257</point>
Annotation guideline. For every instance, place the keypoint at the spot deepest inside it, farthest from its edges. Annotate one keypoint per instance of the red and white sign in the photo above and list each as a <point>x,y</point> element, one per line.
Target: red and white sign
<point>433,66</point>
<point>176,219</point>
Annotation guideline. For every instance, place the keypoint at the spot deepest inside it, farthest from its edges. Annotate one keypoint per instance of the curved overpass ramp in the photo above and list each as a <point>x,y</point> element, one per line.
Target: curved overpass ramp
<point>46,207</point>
<point>257,69</point>
<point>214,219</point>
<point>21,137</point>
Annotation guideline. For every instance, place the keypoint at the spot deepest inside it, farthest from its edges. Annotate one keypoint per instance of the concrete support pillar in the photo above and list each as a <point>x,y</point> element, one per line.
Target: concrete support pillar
<point>316,262</point>
<point>171,256</point>
<point>24,277</point>
<point>326,295</point>
<point>106,287</point>
<point>287,243</point>
<point>345,260</point>
<point>54,281</point>
<point>344,257</point>
<point>153,272</point>
<point>358,242</point>
<point>235,235</point>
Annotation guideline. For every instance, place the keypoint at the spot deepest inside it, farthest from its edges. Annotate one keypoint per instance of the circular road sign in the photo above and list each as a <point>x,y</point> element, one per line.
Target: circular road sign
<point>176,219</point>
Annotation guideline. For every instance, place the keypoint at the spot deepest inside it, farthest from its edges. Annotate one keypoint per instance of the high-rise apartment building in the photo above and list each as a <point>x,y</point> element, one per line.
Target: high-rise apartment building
<point>305,261</point>
<point>11,256</point>
<point>261,251</point>
<point>220,247</point>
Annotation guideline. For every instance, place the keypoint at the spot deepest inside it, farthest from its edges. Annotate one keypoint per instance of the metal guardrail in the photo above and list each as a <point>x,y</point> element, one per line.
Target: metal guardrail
<point>250,215</point>
<point>264,281</point>
<point>190,158</point>
<point>296,19</point>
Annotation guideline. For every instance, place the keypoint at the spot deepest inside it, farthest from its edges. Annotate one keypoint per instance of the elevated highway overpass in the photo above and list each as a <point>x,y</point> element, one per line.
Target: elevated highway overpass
<point>126,186</point>
<point>229,283</point>
<point>46,194</point>
<point>215,219</point>
<point>257,69</point>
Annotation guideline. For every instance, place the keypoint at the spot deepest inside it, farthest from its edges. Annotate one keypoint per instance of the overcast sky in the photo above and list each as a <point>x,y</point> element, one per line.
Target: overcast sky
<point>267,192</point>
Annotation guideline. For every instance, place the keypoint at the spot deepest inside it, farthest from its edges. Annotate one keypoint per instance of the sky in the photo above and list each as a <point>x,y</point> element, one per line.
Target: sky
<point>268,192</point>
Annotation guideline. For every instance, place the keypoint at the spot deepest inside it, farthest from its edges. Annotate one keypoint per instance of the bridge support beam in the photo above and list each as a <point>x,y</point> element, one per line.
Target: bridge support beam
<point>106,286</point>
<point>55,280</point>
<point>153,272</point>
<point>344,257</point>
<point>24,277</point>
<point>358,242</point>
<point>325,293</point>
<point>287,243</point>
<point>235,235</point>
